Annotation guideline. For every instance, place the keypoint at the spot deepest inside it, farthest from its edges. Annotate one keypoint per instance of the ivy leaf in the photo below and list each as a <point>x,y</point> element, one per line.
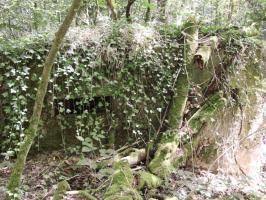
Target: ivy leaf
<point>87,162</point>
<point>80,138</point>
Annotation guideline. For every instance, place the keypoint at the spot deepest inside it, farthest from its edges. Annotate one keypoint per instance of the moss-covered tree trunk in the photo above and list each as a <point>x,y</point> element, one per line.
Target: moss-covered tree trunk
<point>166,154</point>
<point>30,132</point>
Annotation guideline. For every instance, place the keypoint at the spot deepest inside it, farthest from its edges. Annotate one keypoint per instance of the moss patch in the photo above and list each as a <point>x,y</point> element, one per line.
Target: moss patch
<point>179,102</point>
<point>61,189</point>
<point>122,182</point>
<point>166,159</point>
<point>148,180</point>
<point>206,112</point>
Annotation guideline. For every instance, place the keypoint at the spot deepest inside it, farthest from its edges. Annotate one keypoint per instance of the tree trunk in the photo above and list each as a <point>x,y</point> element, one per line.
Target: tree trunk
<point>15,178</point>
<point>97,10</point>
<point>231,11</point>
<point>166,155</point>
<point>161,4</point>
<point>217,19</point>
<point>148,12</point>
<point>112,9</point>
<point>128,7</point>
<point>35,17</point>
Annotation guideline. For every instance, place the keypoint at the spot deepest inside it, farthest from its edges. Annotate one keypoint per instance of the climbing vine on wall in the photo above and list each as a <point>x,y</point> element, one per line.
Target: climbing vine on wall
<point>114,86</point>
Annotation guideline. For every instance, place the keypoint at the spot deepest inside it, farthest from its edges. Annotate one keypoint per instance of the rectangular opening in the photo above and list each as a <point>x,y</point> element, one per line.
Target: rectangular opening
<point>78,106</point>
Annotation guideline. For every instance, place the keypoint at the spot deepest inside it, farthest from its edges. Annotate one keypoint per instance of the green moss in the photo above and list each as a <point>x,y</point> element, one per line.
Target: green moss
<point>148,180</point>
<point>191,25</point>
<point>122,181</point>
<point>191,43</point>
<point>104,164</point>
<point>61,189</point>
<point>15,178</point>
<point>123,174</point>
<point>254,197</point>
<point>179,102</point>
<point>206,112</point>
<point>203,115</point>
<point>165,160</point>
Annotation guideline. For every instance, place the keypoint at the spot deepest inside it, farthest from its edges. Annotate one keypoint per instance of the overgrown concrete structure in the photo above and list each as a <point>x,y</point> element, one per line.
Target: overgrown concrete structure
<point>184,91</point>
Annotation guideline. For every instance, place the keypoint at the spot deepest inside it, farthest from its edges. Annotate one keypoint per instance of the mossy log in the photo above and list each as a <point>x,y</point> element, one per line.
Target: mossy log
<point>166,157</point>
<point>179,102</point>
<point>182,85</point>
<point>191,37</point>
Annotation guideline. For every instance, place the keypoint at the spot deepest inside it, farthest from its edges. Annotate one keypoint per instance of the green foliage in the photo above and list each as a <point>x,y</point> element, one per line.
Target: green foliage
<point>18,17</point>
<point>145,79</point>
<point>257,13</point>
<point>16,74</point>
<point>140,80</point>
<point>23,17</point>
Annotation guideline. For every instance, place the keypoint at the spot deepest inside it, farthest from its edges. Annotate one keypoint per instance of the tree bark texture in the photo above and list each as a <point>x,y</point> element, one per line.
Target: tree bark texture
<point>112,9</point>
